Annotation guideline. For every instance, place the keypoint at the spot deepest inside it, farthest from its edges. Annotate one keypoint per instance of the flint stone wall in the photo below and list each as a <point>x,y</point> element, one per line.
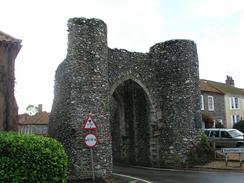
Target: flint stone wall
<point>91,72</point>
<point>9,50</point>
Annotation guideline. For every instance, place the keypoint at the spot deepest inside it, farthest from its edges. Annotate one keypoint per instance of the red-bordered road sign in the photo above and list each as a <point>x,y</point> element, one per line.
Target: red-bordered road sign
<point>89,123</point>
<point>90,140</point>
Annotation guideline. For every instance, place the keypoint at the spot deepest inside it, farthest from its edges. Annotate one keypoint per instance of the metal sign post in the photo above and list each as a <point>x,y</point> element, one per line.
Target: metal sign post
<point>233,151</point>
<point>89,123</point>
<point>92,164</point>
<point>91,141</point>
<point>90,138</point>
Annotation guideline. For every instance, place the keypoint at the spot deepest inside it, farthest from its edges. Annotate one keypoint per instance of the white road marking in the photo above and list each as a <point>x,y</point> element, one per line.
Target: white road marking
<point>130,177</point>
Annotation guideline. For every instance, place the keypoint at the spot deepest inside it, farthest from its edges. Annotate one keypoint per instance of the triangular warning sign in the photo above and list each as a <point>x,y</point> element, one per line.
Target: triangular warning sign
<point>89,124</point>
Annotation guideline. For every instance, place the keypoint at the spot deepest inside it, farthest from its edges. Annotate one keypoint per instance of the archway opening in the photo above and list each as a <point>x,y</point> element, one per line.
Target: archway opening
<point>130,129</point>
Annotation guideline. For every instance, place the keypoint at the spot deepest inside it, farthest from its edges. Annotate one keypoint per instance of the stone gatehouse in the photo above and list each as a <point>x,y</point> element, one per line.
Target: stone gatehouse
<point>146,105</point>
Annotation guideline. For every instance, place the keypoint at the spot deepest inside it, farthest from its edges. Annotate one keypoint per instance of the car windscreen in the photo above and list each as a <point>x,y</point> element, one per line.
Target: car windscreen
<point>235,133</point>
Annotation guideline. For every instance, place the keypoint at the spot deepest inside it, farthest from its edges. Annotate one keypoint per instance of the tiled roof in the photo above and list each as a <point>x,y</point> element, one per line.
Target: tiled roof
<point>38,119</point>
<point>224,88</point>
<point>205,86</point>
<point>242,90</point>
<point>7,38</point>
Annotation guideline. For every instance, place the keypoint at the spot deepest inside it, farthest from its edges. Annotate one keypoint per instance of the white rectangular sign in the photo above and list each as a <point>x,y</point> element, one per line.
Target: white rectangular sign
<point>233,150</point>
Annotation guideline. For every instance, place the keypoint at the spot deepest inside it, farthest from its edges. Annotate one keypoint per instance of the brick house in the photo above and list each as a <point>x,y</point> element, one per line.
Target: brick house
<point>231,102</point>
<point>36,124</point>
<point>9,49</point>
<point>212,103</point>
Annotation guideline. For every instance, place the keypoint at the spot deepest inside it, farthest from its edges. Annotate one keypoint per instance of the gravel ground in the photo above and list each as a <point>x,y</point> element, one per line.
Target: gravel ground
<point>233,162</point>
<point>113,179</point>
<point>220,165</point>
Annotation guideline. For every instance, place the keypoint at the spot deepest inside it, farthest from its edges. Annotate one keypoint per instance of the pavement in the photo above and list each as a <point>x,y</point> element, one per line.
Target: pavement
<point>233,163</point>
<point>219,164</point>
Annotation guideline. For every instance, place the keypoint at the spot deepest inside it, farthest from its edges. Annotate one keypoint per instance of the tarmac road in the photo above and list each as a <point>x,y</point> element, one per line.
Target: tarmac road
<point>180,176</point>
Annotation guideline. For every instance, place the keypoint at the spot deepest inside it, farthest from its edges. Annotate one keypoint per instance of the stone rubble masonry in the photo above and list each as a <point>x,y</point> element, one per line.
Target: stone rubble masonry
<point>9,49</point>
<point>81,88</point>
<point>91,72</point>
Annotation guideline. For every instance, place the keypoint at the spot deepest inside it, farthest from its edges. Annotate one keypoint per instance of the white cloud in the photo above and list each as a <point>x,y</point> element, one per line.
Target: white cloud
<point>214,8</point>
<point>219,36</point>
<point>132,24</point>
<point>135,25</point>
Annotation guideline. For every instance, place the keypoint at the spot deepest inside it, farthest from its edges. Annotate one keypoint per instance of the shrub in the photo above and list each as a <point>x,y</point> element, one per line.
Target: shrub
<point>201,154</point>
<point>219,125</point>
<point>31,158</point>
<point>239,126</point>
<point>208,120</point>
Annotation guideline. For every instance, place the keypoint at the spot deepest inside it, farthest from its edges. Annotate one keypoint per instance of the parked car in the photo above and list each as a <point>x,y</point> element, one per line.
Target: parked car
<point>224,137</point>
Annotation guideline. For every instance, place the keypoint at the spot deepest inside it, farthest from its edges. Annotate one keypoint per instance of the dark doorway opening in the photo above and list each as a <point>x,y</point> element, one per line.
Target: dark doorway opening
<point>129,120</point>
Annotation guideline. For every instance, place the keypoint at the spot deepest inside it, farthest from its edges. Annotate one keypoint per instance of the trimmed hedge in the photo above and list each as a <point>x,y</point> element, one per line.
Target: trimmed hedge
<point>31,158</point>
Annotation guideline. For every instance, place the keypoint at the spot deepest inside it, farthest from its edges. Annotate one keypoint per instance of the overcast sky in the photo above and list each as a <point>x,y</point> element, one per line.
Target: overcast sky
<point>217,27</point>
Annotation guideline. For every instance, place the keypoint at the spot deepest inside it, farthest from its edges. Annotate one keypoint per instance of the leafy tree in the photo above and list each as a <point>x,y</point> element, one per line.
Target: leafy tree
<point>239,126</point>
<point>31,110</point>
<point>219,125</point>
<point>208,120</point>
<point>201,154</point>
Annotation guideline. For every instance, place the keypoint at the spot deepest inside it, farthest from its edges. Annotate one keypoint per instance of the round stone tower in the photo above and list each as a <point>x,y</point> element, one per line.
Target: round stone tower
<point>177,70</point>
<point>81,88</point>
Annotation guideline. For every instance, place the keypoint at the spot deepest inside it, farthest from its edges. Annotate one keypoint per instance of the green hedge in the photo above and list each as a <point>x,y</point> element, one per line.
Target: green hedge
<point>31,158</point>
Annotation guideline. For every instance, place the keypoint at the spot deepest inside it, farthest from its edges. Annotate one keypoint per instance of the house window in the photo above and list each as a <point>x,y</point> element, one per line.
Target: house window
<point>210,103</point>
<point>235,119</point>
<point>234,103</point>
<point>238,118</point>
<point>202,102</point>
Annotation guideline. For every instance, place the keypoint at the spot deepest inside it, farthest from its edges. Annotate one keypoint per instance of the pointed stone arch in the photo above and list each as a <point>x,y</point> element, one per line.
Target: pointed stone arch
<point>132,120</point>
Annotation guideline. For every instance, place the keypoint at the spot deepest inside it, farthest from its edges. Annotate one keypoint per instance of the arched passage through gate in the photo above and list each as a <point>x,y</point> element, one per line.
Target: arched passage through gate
<point>131,124</point>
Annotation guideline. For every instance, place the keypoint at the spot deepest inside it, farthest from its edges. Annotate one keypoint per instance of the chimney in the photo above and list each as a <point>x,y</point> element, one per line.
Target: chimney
<point>39,108</point>
<point>229,81</point>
